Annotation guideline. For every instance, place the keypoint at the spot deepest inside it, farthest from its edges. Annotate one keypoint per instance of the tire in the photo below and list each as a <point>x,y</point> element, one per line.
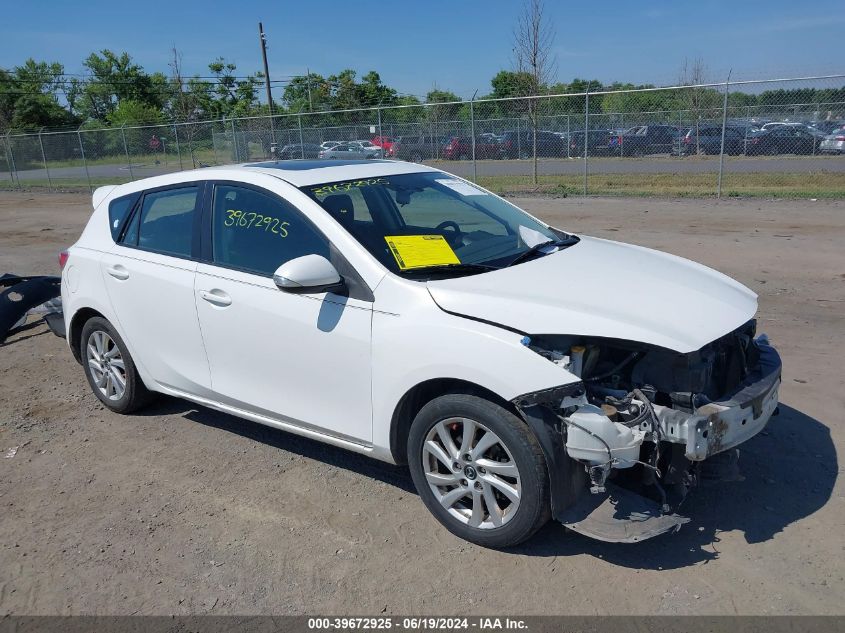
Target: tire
<point>103,340</point>
<point>416,157</point>
<point>511,458</point>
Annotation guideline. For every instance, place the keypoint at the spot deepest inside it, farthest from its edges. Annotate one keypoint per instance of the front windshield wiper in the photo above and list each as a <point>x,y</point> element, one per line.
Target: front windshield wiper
<point>539,248</point>
<point>456,268</point>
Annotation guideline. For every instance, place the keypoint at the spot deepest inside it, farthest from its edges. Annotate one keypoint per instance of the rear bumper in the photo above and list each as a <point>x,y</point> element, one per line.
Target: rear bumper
<point>834,147</point>
<point>719,426</point>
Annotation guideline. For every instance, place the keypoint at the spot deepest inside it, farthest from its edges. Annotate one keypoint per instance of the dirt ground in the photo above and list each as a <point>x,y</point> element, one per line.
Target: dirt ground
<point>185,510</point>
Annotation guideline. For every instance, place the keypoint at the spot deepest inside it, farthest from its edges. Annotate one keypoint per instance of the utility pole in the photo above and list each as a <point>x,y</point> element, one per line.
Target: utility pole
<point>308,80</point>
<point>263,39</point>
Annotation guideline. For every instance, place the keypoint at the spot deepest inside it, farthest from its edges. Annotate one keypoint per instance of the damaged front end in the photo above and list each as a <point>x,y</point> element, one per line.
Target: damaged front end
<point>644,425</point>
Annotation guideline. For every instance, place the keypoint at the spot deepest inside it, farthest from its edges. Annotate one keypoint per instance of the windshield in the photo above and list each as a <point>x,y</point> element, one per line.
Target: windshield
<point>430,223</point>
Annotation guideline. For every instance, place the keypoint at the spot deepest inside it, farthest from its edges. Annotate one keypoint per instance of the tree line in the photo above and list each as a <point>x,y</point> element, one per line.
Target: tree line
<point>117,91</point>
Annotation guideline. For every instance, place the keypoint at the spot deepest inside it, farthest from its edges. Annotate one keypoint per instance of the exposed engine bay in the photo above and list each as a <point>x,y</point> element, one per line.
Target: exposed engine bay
<point>647,423</point>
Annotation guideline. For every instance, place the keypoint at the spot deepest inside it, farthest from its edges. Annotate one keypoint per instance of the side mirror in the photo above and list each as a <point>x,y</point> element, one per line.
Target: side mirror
<point>309,273</point>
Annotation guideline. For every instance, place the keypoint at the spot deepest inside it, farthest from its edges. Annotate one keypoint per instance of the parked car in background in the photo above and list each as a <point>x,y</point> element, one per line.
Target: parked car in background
<point>784,139</point>
<point>707,139</point>
<point>771,125</point>
<point>490,137</point>
<point>300,150</point>
<point>385,143</point>
<point>827,127</point>
<point>600,143</point>
<point>521,144</point>
<point>371,147</point>
<point>833,143</point>
<point>353,150</point>
<point>417,148</point>
<point>460,148</point>
<point>647,139</point>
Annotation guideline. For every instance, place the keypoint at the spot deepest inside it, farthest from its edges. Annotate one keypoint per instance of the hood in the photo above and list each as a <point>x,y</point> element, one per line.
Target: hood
<point>609,289</point>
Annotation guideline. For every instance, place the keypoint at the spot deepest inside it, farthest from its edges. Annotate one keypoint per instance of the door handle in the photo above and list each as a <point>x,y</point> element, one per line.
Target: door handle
<point>216,297</point>
<point>118,272</point>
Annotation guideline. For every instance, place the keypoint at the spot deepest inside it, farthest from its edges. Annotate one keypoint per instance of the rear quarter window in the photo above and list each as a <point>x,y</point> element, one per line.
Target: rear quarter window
<point>119,209</point>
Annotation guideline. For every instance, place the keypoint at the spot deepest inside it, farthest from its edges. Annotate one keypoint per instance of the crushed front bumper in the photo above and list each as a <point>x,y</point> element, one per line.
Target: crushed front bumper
<point>620,515</point>
<point>719,426</point>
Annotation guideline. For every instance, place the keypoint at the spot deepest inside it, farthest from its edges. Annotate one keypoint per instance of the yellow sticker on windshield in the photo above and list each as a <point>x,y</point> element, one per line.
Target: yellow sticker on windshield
<point>419,251</point>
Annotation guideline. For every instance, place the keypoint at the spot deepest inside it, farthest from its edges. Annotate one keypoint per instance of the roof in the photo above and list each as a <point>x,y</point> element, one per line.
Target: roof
<point>302,173</point>
<point>299,173</point>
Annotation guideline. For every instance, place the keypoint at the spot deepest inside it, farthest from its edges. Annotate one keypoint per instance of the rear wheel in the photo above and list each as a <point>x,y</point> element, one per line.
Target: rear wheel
<point>110,369</point>
<point>479,470</point>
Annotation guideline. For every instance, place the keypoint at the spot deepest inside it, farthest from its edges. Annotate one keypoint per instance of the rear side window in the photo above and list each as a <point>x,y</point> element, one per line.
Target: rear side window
<point>119,209</point>
<point>165,223</point>
<point>259,232</point>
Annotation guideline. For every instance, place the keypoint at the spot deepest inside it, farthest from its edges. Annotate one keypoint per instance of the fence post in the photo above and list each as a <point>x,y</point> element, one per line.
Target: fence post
<point>622,127</point>
<point>44,158</point>
<point>301,144</point>
<point>178,149</point>
<point>126,151</point>
<point>680,129</point>
<point>378,113</point>
<point>586,136</point>
<point>236,154</point>
<point>472,132</point>
<point>14,170</point>
<point>745,134</point>
<point>722,148</point>
<point>84,162</point>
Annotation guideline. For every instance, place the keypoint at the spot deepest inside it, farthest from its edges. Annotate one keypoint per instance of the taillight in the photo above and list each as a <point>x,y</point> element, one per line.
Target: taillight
<point>619,139</point>
<point>63,257</point>
<point>687,140</point>
<point>839,138</point>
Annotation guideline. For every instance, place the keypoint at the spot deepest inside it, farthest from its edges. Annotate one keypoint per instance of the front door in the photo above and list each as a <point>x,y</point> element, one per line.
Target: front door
<point>300,358</point>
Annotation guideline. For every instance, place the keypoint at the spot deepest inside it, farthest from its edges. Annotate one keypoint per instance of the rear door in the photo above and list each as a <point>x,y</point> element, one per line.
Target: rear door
<point>149,276</point>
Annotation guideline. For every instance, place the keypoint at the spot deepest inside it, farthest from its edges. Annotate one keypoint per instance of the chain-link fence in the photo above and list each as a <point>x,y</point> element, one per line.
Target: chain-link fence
<point>776,137</point>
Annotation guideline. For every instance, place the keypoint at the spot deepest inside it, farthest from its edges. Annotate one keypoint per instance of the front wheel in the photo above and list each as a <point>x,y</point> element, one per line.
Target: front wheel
<point>479,470</point>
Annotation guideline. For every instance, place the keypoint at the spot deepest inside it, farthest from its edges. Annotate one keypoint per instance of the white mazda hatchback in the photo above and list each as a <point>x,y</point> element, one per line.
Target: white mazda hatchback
<point>388,308</point>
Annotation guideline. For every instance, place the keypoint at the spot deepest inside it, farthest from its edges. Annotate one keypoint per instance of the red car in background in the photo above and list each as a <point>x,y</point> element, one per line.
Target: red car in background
<point>460,147</point>
<point>384,142</point>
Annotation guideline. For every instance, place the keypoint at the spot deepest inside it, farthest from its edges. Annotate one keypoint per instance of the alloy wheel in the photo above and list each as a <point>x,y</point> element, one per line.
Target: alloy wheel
<point>471,473</point>
<point>106,365</point>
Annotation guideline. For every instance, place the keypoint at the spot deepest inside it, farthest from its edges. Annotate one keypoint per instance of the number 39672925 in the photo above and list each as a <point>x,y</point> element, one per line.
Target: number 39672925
<point>253,220</point>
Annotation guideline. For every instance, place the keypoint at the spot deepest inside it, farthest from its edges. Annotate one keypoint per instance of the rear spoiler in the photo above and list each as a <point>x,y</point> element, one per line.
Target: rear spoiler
<point>101,193</point>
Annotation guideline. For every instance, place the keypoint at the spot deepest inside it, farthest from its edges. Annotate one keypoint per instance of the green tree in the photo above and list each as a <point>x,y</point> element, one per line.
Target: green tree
<point>116,78</point>
<point>130,113</point>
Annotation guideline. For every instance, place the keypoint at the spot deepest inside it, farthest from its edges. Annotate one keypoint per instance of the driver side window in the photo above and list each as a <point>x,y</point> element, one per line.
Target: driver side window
<point>258,232</point>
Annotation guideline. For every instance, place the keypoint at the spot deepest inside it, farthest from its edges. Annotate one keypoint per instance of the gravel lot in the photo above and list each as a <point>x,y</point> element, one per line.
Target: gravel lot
<point>185,510</point>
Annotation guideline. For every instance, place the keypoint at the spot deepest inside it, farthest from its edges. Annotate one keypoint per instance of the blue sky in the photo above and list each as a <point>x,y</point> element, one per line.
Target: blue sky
<point>459,44</point>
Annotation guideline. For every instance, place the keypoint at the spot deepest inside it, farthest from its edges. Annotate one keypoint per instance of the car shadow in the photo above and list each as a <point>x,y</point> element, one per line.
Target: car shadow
<point>396,476</point>
<point>790,470</point>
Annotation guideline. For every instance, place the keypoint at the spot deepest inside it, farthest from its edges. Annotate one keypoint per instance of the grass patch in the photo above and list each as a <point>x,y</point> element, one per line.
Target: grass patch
<point>780,185</point>
<point>774,185</point>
